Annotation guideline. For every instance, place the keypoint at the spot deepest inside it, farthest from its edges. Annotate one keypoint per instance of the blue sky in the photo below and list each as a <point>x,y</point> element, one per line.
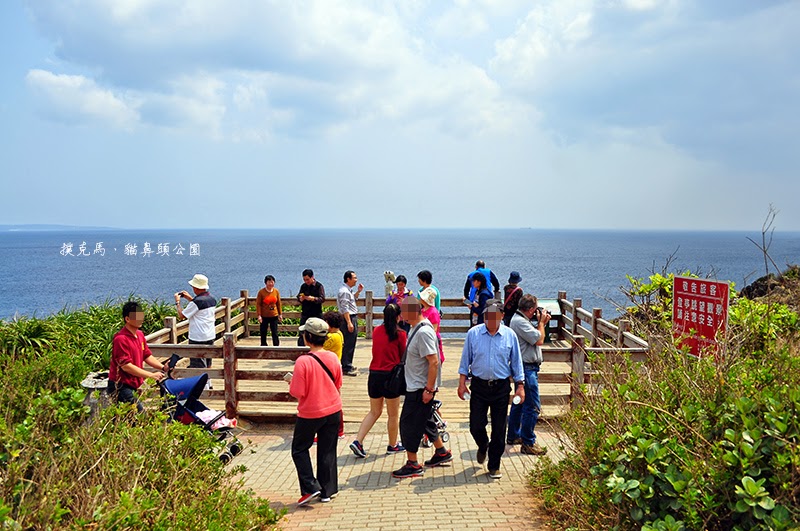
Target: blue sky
<point>624,114</point>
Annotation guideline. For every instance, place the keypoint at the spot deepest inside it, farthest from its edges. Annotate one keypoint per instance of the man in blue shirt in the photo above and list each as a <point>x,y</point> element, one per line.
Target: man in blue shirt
<point>488,274</point>
<point>491,356</point>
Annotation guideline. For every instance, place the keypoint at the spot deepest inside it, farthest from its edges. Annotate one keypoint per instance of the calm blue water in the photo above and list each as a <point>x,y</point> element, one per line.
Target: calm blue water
<point>36,279</point>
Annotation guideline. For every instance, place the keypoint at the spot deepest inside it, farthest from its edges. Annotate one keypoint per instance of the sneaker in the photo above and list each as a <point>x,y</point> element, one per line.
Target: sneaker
<point>439,459</point>
<point>409,471</point>
<point>495,474</point>
<point>305,498</point>
<point>534,449</point>
<point>357,449</point>
<point>396,449</point>
<point>327,499</point>
<point>351,372</point>
<point>513,442</point>
<point>481,455</point>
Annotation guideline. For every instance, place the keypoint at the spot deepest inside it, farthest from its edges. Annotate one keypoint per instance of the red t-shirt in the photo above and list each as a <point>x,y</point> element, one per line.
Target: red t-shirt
<point>386,354</point>
<point>125,349</point>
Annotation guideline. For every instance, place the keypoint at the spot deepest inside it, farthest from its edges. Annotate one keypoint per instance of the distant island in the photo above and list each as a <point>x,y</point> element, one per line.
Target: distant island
<point>43,227</point>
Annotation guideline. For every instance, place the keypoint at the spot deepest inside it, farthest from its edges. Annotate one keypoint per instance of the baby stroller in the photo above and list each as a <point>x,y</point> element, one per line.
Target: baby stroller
<point>439,424</point>
<point>184,394</point>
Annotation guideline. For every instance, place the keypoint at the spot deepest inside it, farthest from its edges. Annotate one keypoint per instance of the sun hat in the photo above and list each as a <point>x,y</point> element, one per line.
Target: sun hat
<point>199,281</point>
<point>315,326</point>
<point>514,278</point>
<point>493,305</point>
<point>428,295</point>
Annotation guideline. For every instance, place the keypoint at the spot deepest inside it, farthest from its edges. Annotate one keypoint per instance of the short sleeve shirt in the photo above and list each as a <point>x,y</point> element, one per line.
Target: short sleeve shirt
<point>128,348</point>
<point>422,345</point>
<point>334,343</point>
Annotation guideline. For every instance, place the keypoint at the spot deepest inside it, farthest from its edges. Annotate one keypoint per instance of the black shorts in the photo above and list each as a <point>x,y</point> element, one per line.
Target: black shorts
<point>375,385</point>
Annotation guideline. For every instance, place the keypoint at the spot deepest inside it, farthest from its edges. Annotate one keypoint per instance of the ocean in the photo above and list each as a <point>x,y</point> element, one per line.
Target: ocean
<point>42,272</point>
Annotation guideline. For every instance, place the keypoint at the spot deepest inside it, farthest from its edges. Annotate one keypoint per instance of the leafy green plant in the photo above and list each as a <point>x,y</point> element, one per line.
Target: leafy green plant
<point>60,469</point>
<point>683,443</point>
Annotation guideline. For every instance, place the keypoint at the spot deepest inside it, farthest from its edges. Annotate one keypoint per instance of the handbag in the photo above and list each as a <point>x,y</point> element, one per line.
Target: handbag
<point>396,381</point>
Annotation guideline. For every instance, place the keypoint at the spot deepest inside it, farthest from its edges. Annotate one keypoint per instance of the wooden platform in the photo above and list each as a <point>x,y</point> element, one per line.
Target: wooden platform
<point>354,389</point>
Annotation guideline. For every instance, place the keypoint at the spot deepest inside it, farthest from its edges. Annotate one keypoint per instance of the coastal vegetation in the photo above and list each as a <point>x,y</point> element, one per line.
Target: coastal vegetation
<point>61,468</point>
<point>680,443</point>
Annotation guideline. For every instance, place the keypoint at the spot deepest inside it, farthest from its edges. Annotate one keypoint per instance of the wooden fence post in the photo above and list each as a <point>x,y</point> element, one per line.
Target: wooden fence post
<point>597,313</point>
<point>171,323</point>
<point>226,318</point>
<point>576,321</point>
<point>578,369</point>
<point>246,311</point>
<point>624,326</point>
<point>368,308</point>
<point>229,367</point>
<point>562,296</point>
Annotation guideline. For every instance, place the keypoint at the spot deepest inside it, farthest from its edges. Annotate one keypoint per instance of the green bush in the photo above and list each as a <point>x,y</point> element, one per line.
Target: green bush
<point>680,443</point>
<point>60,469</point>
<point>119,470</point>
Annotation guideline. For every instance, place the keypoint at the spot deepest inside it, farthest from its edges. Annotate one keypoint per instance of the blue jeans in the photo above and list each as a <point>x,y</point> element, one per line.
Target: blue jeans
<point>523,417</point>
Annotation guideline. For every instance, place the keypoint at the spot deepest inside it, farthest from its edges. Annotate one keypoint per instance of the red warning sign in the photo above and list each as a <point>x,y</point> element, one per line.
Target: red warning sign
<point>699,313</point>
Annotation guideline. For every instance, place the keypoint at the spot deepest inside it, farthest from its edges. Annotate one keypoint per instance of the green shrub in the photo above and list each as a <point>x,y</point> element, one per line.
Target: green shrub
<point>60,469</point>
<point>120,470</point>
<point>680,443</point>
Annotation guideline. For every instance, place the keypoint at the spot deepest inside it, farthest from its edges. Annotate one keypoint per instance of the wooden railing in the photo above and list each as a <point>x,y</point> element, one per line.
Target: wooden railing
<point>576,332</point>
<point>370,314</point>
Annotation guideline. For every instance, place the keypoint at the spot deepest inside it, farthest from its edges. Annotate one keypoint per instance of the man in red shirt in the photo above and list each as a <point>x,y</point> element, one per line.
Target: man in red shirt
<point>128,353</point>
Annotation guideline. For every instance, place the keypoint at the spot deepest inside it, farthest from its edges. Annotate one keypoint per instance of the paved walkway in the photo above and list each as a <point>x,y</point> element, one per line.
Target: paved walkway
<point>458,496</point>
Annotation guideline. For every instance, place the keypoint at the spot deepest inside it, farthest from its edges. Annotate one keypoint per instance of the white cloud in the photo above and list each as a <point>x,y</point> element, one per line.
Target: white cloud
<point>548,31</point>
<point>295,68</point>
<point>460,22</point>
<point>641,5</point>
<point>68,98</point>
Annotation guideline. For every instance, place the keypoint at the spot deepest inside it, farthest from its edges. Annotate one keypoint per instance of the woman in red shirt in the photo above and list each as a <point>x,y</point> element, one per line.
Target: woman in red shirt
<point>388,345</point>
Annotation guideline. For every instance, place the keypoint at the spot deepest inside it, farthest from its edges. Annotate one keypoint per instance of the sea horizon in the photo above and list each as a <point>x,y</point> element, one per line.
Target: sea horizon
<point>42,275</point>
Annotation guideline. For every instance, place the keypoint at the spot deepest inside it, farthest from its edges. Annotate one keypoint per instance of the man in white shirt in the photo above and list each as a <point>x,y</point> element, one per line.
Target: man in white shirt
<point>200,313</point>
<point>346,301</point>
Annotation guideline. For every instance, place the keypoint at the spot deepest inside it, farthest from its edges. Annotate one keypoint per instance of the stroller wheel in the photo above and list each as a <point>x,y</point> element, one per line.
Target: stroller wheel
<point>225,457</point>
<point>426,443</point>
<point>235,448</point>
<point>444,436</point>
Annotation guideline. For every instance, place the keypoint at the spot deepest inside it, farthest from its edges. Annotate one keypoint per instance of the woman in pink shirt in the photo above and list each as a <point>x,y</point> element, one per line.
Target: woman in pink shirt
<point>428,299</point>
<point>315,383</point>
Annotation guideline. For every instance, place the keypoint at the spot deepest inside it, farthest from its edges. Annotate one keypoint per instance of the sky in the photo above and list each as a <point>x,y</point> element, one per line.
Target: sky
<point>606,114</point>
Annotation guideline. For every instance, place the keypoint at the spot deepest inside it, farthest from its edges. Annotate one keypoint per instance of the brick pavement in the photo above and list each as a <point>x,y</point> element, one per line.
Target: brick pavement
<point>458,496</point>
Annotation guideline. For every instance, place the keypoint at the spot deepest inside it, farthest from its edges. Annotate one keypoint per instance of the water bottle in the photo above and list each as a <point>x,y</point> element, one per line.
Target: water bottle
<point>516,400</point>
<point>466,395</point>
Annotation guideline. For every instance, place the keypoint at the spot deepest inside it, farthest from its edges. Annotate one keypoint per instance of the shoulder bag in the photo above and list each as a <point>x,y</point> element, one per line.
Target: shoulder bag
<point>396,381</point>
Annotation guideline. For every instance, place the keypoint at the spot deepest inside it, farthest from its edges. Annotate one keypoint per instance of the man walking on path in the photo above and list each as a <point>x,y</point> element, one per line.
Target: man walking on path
<point>488,274</point>
<point>346,300</point>
<point>491,356</point>
<point>310,297</point>
<point>523,417</point>
<point>200,313</point>
<point>423,376</point>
